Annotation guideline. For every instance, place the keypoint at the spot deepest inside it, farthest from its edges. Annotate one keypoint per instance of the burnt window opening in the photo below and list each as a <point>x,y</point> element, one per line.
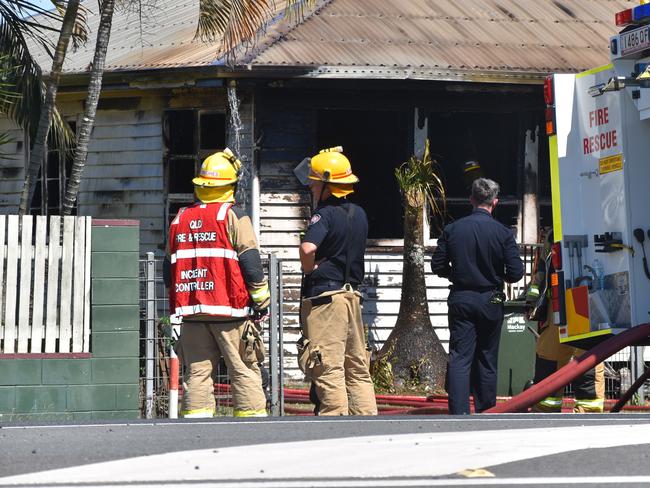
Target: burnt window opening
<point>180,136</point>
<point>52,179</point>
<point>212,131</point>
<point>376,142</point>
<point>122,103</point>
<point>190,135</point>
<point>497,142</point>
<point>181,172</point>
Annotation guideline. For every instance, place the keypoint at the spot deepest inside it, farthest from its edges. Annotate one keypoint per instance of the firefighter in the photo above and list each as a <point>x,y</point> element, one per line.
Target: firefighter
<point>217,286</point>
<point>550,354</point>
<point>334,351</point>
<point>477,254</point>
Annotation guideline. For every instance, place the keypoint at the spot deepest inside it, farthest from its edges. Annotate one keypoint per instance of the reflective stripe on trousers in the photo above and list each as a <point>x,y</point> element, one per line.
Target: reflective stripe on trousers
<point>596,405</point>
<point>250,413</point>
<point>549,405</point>
<point>198,413</point>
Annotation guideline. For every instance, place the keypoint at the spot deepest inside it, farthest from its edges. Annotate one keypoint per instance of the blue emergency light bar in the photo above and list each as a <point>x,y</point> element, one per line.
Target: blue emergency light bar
<point>641,12</point>
<point>634,15</point>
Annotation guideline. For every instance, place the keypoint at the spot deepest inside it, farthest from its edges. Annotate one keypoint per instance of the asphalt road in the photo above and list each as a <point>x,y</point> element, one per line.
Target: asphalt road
<point>490,450</point>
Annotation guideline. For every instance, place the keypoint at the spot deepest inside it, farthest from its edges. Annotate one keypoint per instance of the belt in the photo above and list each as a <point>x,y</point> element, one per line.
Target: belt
<point>332,284</point>
<point>476,289</point>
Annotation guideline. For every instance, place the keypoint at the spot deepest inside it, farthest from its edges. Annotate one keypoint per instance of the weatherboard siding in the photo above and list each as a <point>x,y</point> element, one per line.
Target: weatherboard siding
<point>123,178</point>
<point>12,167</point>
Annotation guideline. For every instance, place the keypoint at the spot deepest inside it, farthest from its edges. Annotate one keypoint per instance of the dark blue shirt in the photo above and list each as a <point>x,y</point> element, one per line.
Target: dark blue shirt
<point>327,230</point>
<point>477,253</point>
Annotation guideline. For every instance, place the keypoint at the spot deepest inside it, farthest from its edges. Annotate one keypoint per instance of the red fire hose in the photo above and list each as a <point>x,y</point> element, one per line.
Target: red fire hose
<point>572,370</point>
<point>437,404</point>
<point>628,394</point>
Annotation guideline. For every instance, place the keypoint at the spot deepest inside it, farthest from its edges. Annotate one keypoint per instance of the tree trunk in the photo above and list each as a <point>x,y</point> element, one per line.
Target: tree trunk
<point>92,99</point>
<point>413,349</point>
<point>45,119</point>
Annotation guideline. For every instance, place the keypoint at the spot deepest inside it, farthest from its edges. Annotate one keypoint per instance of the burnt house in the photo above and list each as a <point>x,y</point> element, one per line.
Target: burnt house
<point>377,77</point>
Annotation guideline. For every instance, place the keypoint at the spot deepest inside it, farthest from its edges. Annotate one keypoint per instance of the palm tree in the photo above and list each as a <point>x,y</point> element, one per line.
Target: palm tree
<point>17,27</point>
<point>413,350</point>
<point>92,99</point>
<point>45,119</point>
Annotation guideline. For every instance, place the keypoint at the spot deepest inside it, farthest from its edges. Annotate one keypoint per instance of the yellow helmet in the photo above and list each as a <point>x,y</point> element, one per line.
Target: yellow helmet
<point>471,171</point>
<point>219,169</point>
<point>331,166</point>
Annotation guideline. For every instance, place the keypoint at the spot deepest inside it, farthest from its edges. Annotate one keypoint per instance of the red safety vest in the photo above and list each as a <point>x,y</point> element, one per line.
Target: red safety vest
<point>206,278</point>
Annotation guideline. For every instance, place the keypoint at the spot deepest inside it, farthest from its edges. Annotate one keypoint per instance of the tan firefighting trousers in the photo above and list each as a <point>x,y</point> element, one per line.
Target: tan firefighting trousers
<point>590,388</point>
<point>335,355</point>
<point>202,344</point>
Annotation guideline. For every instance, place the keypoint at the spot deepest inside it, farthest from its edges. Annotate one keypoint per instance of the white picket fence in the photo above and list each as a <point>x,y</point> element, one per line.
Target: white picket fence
<point>44,284</point>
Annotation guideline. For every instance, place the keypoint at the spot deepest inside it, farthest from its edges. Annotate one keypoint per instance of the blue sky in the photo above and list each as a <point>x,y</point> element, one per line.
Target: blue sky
<point>46,4</point>
<point>43,3</point>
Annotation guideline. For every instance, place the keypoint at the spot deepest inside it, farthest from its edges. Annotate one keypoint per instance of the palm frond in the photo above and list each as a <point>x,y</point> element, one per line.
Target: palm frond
<point>80,31</point>
<point>34,21</point>
<point>7,93</point>
<point>419,182</point>
<point>232,22</point>
<point>296,9</point>
<point>24,80</point>
<point>61,134</point>
<point>24,87</point>
<point>237,23</point>
<point>16,17</point>
<point>6,139</point>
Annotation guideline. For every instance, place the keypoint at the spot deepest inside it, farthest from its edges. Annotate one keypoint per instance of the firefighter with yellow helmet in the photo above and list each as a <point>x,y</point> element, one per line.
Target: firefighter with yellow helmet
<point>333,349</point>
<point>217,284</point>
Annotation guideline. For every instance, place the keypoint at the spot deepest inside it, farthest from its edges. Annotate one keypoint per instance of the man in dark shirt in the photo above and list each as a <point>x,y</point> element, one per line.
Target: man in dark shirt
<point>332,257</point>
<point>477,254</point>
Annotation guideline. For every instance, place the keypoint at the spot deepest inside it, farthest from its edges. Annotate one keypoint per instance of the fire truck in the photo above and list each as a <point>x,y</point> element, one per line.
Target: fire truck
<point>598,127</point>
<point>598,123</point>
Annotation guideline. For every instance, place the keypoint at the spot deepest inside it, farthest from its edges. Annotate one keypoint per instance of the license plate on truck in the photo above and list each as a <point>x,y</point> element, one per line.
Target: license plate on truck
<point>635,40</point>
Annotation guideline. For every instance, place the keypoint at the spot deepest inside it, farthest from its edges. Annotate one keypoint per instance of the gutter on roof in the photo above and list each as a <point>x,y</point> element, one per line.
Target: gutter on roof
<point>150,78</point>
<point>160,78</point>
<point>394,73</point>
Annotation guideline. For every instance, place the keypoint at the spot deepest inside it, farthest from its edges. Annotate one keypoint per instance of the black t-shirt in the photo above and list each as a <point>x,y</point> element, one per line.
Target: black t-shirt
<point>327,230</point>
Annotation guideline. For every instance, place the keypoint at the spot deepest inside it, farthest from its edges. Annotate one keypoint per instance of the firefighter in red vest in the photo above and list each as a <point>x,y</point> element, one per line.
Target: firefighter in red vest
<point>217,284</point>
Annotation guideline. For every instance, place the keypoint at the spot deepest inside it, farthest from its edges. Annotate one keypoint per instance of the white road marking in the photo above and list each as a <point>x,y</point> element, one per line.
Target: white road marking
<point>389,483</point>
<point>483,419</point>
<point>386,459</point>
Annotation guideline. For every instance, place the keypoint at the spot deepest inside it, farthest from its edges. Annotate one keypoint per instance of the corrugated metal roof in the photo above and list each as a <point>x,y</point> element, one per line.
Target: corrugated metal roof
<point>161,36</point>
<point>483,40</point>
<point>448,39</point>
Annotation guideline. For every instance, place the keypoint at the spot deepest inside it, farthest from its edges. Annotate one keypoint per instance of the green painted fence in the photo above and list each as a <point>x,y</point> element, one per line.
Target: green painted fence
<point>101,384</point>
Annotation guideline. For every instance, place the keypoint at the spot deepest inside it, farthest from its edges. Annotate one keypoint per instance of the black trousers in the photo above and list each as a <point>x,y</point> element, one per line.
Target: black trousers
<point>475,330</point>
